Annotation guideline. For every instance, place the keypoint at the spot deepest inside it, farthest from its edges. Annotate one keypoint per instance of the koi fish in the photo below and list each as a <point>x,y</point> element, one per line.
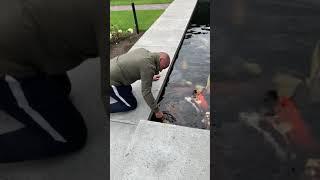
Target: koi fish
<point>299,133</point>
<point>201,100</point>
<point>189,99</point>
<point>198,96</point>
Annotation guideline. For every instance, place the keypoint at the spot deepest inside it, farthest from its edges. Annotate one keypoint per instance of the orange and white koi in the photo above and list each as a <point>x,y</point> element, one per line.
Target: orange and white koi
<point>299,134</point>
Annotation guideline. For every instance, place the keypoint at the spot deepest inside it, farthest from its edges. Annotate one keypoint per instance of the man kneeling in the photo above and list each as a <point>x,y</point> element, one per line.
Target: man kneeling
<point>130,67</point>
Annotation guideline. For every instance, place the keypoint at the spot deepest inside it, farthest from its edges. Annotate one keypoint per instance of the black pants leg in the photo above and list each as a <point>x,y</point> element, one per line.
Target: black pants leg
<point>53,126</point>
<point>125,99</point>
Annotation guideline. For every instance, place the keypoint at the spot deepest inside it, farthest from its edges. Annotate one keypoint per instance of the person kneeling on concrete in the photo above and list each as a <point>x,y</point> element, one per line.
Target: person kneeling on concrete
<point>130,67</point>
<point>39,42</point>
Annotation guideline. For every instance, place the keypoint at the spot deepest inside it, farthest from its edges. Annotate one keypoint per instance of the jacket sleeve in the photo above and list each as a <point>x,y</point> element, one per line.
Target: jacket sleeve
<point>147,73</point>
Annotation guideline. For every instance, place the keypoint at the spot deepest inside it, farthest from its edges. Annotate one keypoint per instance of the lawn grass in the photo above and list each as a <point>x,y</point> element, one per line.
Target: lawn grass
<point>137,2</point>
<point>125,20</point>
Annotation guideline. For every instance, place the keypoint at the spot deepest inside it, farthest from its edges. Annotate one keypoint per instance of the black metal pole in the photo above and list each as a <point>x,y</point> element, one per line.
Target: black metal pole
<point>135,17</point>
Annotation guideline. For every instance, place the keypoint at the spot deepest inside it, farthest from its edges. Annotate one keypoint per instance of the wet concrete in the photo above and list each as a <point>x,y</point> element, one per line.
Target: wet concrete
<point>278,37</point>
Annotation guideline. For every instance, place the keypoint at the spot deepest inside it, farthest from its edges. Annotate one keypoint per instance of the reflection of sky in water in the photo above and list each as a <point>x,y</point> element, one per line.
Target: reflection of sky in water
<point>191,68</point>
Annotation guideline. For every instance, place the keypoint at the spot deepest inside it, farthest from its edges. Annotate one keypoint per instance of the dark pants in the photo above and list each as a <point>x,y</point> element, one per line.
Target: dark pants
<point>53,126</point>
<point>124,97</point>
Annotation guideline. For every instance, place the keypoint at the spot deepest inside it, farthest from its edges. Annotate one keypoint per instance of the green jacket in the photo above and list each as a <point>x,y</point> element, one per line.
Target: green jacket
<point>135,65</point>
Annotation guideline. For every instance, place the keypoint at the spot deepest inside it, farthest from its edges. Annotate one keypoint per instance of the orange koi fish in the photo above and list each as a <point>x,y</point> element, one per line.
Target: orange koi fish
<point>300,134</point>
<point>201,100</point>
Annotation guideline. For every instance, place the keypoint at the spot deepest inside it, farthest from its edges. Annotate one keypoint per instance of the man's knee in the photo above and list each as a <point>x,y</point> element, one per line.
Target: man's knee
<point>133,104</point>
<point>77,140</point>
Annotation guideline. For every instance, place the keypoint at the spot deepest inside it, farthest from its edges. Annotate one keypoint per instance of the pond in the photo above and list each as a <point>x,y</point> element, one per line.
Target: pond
<point>266,93</point>
<point>186,97</point>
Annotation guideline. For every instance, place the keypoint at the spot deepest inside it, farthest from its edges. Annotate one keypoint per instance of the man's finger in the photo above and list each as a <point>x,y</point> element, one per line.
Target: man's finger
<point>156,77</point>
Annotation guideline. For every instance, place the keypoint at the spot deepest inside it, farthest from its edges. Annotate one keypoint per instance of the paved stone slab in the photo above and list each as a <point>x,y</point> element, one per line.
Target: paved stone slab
<point>170,50</point>
<point>164,151</point>
<point>174,14</point>
<point>120,136</point>
<point>140,7</point>
<point>89,163</point>
<point>161,37</point>
<point>169,24</point>
<point>180,9</point>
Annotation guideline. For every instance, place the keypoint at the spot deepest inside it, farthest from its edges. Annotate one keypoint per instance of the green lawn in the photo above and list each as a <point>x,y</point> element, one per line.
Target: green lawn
<point>128,2</point>
<point>125,20</point>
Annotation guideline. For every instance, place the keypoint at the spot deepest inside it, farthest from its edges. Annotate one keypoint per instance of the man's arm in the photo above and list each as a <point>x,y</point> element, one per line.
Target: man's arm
<point>147,74</point>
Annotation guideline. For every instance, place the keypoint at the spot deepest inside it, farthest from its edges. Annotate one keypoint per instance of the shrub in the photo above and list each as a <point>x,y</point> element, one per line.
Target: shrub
<point>117,34</point>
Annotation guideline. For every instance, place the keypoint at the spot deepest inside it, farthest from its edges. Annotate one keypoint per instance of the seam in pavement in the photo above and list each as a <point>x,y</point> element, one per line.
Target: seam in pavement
<point>117,121</point>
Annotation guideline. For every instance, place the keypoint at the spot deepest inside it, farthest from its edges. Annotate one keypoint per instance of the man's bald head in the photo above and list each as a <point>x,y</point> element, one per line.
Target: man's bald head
<point>164,60</point>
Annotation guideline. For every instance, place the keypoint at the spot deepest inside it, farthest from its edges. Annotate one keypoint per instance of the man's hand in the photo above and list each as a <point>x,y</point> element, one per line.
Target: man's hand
<point>159,115</point>
<point>156,77</point>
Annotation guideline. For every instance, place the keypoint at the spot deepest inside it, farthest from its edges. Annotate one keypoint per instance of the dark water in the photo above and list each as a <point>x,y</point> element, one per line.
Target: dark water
<point>255,40</point>
<point>190,72</point>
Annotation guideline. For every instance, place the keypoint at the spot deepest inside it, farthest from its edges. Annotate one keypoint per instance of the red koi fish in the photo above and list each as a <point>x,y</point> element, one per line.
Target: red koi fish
<point>201,100</point>
<point>300,134</point>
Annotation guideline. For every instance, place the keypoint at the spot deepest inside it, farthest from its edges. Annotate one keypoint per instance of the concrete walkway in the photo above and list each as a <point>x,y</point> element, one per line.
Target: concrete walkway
<point>140,7</point>
<point>164,151</point>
